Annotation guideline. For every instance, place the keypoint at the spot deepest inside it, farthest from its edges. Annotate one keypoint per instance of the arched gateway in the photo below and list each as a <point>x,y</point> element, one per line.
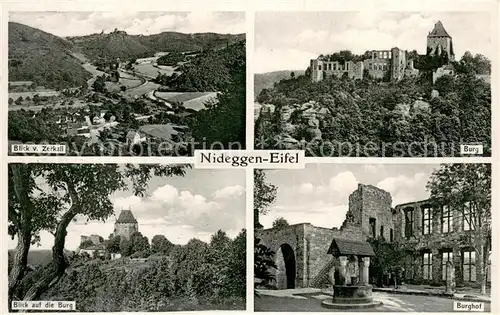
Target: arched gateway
<point>287,267</point>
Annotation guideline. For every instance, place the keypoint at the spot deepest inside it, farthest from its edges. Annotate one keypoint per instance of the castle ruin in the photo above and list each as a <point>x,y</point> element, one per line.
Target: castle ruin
<point>430,242</point>
<point>395,62</point>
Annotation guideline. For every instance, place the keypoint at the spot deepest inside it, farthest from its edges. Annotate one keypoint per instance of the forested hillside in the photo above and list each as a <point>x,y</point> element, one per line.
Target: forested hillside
<point>375,118</point>
<point>43,58</point>
<point>267,80</point>
<point>223,71</point>
<point>119,44</point>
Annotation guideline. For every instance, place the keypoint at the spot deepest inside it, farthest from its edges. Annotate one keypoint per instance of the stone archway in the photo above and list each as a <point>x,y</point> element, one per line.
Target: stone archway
<point>287,267</point>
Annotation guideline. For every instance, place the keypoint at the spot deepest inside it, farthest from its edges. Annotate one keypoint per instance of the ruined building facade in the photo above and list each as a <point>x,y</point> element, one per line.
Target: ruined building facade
<point>394,63</point>
<point>382,62</point>
<point>428,242</point>
<point>126,225</point>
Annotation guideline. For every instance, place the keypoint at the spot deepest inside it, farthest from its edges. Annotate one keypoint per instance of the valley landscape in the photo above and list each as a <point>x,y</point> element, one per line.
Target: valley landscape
<point>102,93</point>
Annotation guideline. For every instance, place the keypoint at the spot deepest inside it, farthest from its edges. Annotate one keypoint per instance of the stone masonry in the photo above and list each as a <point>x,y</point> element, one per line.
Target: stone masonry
<point>394,62</point>
<point>370,214</point>
<point>125,225</point>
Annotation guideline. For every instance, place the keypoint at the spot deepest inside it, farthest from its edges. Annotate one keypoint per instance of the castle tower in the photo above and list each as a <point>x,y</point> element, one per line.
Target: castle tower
<point>371,209</point>
<point>398,63</point>
<point>126,224</point>
<point>317,69</point>
<point>439,41</point>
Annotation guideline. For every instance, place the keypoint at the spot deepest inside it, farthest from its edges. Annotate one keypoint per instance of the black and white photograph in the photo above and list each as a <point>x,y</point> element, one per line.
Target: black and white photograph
<point>94,83</point>
<point>373,238</point>
<point>374,83</point>
<point>126,238</point>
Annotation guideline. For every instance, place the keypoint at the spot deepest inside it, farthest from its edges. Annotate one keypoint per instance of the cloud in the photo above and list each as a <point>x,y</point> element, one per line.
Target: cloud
<point>288,40</point>
<point>306,188</point>
<point>145,23</point>
<point>226,210</point>
<point>344,183</point>
<point>266,60</point>
<point>397,182</point>
<point>318,213</point>
<point>229,192</point>
<point>402,187</point>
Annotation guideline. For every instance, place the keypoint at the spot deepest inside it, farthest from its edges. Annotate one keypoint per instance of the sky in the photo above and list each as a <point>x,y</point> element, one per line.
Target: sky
<point>194,206</point>
<point>319,194</point>
<point>79,23</point>
<point>288,40</point>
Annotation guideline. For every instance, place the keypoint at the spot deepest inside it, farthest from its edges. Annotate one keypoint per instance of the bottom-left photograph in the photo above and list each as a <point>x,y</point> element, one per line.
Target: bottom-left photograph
<point>121,237</point>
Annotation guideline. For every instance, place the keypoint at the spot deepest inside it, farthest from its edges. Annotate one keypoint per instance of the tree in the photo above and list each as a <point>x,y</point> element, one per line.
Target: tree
<point>125,247</point>
<point>86,244</point>
<point>237,266</point>
<point>68,190</point>
<point>36,99</point>
<point>19,100</point>
<point>388,259</point>
<point>123,88</point>
<point>264,196</point>
<point>99,84</point>
<point>466,188</point>
<point>139,243</point>
<point>220,242</point>
<point>280,223</point>
<point>263,262</point>
<point>11,101</point>
<point>113,244</point>
<point>161,245</point>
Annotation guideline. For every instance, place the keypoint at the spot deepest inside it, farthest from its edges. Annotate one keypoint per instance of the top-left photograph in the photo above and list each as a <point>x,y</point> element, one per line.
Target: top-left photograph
<point>125,84</point>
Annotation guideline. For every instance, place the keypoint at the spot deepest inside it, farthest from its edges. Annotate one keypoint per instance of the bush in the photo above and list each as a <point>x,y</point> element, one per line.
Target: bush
<point>195,276</point>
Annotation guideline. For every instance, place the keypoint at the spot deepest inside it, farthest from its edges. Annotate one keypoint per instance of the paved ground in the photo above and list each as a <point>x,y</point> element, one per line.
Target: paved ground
<point>392,303</point>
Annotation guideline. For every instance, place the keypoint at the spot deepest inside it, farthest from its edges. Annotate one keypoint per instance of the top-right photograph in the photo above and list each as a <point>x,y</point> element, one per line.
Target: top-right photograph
<point>374,84</point>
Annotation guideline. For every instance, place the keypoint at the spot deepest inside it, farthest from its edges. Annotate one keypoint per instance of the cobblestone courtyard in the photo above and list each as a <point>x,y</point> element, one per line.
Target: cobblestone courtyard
<point>392,303</point>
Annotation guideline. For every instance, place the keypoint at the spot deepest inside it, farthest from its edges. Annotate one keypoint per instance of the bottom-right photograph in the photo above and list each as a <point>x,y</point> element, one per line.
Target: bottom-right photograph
<point>373,237</point>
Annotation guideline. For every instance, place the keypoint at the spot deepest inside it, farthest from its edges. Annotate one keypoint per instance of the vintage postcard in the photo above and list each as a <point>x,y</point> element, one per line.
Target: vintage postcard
<point>139,136</point>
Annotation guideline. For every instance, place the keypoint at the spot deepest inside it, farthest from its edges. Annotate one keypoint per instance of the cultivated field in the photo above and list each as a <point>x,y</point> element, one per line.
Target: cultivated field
<point>152,71</point>
<point>192,100</point>
<point>128,83</point>
<point>142,89</point>
<point>57,105</point>
<point>16,95</point>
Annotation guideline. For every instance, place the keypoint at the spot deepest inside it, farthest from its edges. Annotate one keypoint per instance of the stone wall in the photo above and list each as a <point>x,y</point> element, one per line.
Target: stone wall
<point>435,242</point>
<point>369,202</point>
<point>125,229</point>
<point>398,63</point>
<point>445,42</point>
<point>310,244</point>
<point>318,240</point>
<point>321,68</point>
<point>292,235</point>
<point>377,68</point>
